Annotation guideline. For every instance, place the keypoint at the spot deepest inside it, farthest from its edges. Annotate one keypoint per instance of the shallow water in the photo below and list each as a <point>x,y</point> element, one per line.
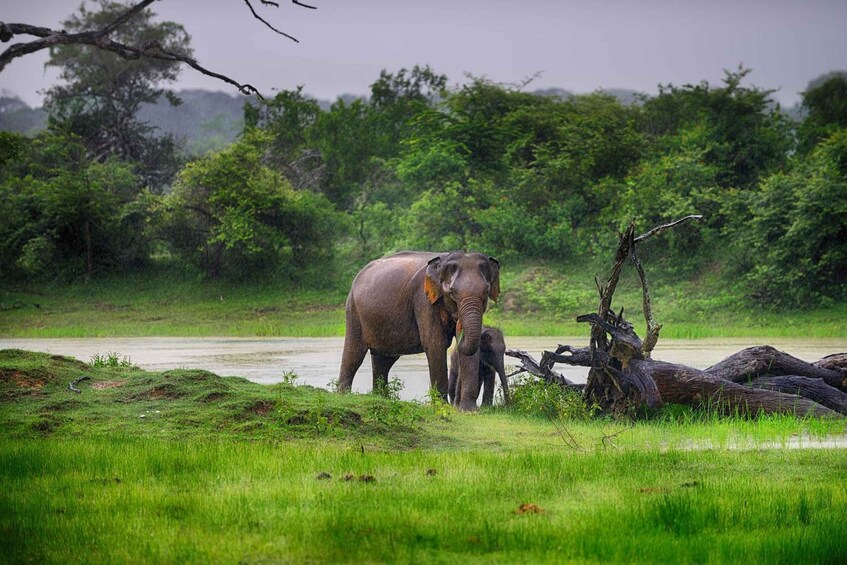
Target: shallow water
<point>316,360</point>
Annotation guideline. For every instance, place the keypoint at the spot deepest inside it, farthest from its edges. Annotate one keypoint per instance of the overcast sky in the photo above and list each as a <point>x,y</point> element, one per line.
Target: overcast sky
<point>576,45</point>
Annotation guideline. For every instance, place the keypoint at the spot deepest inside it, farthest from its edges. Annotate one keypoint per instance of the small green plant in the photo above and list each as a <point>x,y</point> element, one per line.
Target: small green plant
<point>332,385</point>
<point>320,417</point>
<point>536,397</point>
<point>110,360</point>
<point>394,411</point>
<point>390,389</point>
<point>289,378</point>
<point>441,407</point>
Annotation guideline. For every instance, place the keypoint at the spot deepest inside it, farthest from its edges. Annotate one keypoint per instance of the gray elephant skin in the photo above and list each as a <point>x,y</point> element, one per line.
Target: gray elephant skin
<point>417,302</point>
<point>492,350</point>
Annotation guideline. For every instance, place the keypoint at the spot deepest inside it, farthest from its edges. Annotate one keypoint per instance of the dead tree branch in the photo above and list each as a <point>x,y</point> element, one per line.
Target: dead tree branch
<point>99,39</point>
<point>531,366</point>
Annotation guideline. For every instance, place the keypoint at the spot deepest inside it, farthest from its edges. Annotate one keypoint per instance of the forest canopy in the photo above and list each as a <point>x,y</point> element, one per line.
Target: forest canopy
<point>420,164</point>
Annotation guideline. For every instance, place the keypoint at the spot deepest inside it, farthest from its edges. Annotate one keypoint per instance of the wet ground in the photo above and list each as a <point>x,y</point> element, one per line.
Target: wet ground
<point>316,360</point>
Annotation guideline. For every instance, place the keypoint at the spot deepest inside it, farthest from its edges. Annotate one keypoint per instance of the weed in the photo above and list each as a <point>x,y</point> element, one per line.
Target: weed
<point>111,360</point>
<point>320,418</point>
<point>440,407</point>
<point>390,389</point>
<point>289,378</point>
<point>392,411</point>
<point>332,385</point>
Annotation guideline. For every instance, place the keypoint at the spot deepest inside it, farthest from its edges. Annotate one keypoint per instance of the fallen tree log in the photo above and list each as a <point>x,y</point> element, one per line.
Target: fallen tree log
<point>834,362</point>
<point>765,361</point>
<point>680,384</point>
<point>807,387</point>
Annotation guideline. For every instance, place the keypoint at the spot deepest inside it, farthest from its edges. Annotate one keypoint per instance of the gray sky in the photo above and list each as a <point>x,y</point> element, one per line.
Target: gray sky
<point>576,45</point>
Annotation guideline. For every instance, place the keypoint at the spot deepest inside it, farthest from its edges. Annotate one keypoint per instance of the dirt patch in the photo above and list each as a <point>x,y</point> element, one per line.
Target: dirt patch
<point>261,408</point>
<point>214,397</point>
<point>21,379</point>
<point>100,385</point>
<point>528,508</point>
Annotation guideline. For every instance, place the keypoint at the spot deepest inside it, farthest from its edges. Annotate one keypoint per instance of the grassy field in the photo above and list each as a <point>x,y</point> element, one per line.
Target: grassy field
<point>536,300</point>
<point>186,466</point>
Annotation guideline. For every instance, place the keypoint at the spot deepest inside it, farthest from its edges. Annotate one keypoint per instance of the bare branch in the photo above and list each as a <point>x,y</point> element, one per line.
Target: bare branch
<point>267,23</point>
<point>659,229</point>
<point>533,367</point>
<point>124,18</point>
<point>652,327</point>
<point>99,39</point>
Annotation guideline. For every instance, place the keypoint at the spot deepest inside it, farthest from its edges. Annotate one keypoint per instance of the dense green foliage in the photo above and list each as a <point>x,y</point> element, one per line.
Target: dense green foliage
<point>481,165</point>
<point>186,466</point>
<point>101,93</point>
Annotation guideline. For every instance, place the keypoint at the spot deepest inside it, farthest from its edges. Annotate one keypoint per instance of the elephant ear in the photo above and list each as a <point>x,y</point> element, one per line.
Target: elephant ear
<point>494,292</point>
<point>432,284</point>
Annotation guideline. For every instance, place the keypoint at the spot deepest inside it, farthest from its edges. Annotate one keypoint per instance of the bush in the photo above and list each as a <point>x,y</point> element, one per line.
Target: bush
<point>536,397</point>
<point>236,217</point>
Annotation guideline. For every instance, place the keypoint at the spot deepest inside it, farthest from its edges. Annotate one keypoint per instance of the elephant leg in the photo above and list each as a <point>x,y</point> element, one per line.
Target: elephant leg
<point>437,360</point>
<point>467,389</point>
<point>486,382</point>
<point>381,366</point>
<point>353,354</point>
<point>453,376</point>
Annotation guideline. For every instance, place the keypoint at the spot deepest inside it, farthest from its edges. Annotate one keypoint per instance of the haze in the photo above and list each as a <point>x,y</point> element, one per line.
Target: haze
<point>578,46</point>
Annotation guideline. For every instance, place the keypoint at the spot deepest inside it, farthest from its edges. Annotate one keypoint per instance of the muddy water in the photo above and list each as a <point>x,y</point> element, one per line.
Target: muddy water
<point>316,360</point>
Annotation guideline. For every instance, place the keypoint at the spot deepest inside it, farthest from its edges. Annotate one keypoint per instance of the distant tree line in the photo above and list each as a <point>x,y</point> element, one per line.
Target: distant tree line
<point>421,165</point>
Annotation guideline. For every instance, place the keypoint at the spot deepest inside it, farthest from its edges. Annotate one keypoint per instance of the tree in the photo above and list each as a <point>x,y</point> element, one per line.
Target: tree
<point>748,137</point>
<point>235,216</point>
<point>825,103</point>
<point>101,38</point>
<point>290,119</point>
<point>103,93</point>
<point>797,233</point>
<point>66,214</point>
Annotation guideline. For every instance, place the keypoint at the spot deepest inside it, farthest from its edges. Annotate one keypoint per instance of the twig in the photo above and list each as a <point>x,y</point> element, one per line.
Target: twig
<point>267,23</point>
<point>564,433</point>
<point>607,439</point>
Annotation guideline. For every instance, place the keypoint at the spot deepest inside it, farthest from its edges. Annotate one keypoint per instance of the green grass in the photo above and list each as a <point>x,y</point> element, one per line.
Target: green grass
<point>537,300</point>
<point>224,470</point>
<point>163,304</point>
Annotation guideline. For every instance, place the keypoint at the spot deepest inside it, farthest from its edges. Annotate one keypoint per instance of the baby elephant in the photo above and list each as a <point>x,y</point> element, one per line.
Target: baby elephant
<point>492,347</point>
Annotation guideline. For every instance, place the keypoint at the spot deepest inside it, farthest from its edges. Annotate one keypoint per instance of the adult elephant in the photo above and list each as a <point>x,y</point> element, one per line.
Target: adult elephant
<point>491,360</point>
<point>415,302</point>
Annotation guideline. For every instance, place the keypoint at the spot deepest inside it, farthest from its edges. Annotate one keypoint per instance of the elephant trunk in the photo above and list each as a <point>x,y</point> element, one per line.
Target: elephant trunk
<point>470,319</point>
<point>504,382</point>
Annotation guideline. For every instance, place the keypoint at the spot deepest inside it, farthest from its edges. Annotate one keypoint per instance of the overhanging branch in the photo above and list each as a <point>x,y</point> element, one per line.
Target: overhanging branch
<point>99,39</point>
